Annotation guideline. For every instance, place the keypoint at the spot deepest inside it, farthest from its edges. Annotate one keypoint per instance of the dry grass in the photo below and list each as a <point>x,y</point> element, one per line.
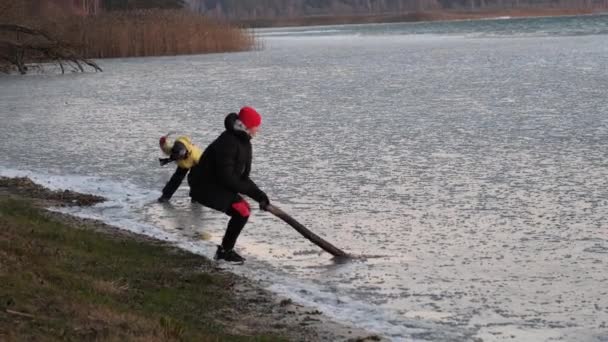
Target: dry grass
<point>128,34</point>
<point>153,33</point>
<point>123,324</point>
<point>112,287</point>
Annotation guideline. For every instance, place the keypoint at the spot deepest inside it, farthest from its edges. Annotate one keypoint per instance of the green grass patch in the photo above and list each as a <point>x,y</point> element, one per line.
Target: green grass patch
<point>58,282</point>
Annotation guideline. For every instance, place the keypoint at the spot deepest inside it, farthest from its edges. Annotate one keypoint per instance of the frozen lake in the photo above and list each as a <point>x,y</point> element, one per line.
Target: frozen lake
<point>470,156</point>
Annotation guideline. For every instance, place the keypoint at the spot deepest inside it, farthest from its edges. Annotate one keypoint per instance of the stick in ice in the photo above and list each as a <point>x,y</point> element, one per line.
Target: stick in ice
<point>314,238</point>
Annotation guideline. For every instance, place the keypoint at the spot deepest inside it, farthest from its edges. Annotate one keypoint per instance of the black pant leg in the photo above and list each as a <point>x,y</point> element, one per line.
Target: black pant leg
<point>174,182</point>
<point>235,225</point>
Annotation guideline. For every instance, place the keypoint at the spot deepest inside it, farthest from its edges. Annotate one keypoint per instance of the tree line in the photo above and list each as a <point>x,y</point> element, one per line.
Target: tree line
<point>122,5</point>
<point>277,9</point>
<point>251,9</point>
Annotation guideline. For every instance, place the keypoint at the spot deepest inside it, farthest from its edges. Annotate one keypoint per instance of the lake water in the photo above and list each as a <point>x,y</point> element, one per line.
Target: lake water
<point>470,157</point>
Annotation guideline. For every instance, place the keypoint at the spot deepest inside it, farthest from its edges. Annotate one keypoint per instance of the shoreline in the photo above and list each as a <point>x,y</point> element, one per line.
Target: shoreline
<point>416,17</point>
<point>259,311</point>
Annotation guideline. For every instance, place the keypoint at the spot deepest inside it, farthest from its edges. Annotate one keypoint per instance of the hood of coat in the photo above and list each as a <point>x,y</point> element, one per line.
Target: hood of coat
<point>235,126</point>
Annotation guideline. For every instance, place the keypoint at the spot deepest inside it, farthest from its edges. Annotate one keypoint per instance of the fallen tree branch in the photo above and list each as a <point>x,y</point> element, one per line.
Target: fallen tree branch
<point>26,30</point>
<point>40,48</point>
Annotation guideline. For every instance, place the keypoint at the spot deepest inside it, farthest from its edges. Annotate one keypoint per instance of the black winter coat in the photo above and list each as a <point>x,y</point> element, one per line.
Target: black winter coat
<point>223,171</point>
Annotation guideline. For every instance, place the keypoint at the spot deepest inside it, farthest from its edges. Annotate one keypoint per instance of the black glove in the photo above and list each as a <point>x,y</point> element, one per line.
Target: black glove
<point>178,151</point>
<point>264,202</point>
<point>164,161</point>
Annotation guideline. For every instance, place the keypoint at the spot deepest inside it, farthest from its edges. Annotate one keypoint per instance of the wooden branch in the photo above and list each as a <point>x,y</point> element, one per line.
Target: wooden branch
<point>17,53</point>
<point>312,237</point>
<point>91,64</point>
<point>26,30</point>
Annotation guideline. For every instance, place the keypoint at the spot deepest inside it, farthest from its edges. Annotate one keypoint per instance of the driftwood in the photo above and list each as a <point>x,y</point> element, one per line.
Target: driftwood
<point>20,45</point>
<point>312,237</point>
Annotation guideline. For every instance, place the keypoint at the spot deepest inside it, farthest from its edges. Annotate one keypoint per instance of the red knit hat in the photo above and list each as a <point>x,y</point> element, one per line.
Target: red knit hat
<point>250,117</point>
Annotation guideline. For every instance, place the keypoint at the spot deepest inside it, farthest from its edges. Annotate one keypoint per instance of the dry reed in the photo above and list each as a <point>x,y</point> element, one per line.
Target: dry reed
<point>133,33</point>
<point>153,33</point>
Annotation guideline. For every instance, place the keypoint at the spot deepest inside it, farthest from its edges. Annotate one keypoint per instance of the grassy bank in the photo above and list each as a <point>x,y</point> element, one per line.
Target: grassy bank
<point>58,282</point>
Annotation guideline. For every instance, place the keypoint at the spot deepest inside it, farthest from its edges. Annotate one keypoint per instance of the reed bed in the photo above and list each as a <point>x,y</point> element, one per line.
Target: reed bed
<point>137,33</point>
<point>152,33</point>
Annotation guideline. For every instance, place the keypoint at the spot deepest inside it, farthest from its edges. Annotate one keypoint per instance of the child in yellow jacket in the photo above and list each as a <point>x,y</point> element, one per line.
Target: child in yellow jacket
<point>185,154</point>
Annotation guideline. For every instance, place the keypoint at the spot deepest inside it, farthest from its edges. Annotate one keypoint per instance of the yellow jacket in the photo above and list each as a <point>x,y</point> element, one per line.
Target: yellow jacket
<point>192,157</point>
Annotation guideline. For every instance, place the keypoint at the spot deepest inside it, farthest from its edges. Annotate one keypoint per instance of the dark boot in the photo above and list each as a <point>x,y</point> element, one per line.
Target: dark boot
<point>228,255</point>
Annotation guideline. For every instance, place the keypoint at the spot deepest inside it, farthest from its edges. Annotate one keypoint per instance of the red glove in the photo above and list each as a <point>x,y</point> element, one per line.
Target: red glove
<point>242,207</point>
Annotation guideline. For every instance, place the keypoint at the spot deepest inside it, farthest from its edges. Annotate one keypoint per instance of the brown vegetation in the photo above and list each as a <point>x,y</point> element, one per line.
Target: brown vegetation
<point>25,186</point>
<point>30,33</point>
<point>153,33</point>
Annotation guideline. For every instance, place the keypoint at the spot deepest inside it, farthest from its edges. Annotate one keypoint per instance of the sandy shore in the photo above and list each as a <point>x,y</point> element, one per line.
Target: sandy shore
<point>258,311</point>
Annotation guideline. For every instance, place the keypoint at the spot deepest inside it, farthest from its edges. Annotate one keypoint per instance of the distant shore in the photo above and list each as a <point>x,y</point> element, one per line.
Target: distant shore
<point>439,15</point>
<point>69,278</point>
